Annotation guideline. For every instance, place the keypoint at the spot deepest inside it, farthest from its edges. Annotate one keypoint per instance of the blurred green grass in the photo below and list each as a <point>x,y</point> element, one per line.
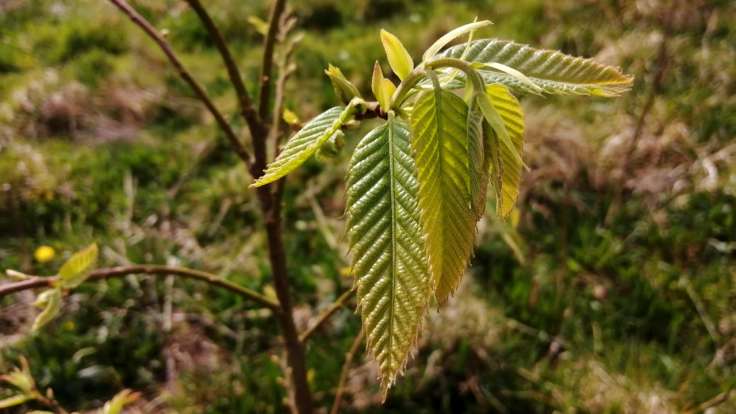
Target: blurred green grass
<point>621,241</point>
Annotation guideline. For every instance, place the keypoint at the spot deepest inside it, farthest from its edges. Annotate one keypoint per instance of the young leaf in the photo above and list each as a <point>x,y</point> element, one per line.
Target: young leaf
<point>478,160</point>
<point>50,301</point>
<point>398,58</point>
<point>452,35</point>
<point>382,88</point>
<point>15,400</point>
<point>440,144</point>
<point>305,143</point>
<point>388,251</point>
<point>74,271</point>
<point>21,377</point>
<point>511,166</point>
<point>515,74</point>
<point>119,401</point>
<point>344,89</point>
<point>552,71</point>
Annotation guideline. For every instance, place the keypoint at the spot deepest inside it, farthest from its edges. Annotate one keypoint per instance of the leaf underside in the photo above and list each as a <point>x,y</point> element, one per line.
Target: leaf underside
<point>511,167</point>
<point>304,144</point>
<point>388,251</point>
<point>478,160</point>
<point>553,71</point>
<point>440,144</point>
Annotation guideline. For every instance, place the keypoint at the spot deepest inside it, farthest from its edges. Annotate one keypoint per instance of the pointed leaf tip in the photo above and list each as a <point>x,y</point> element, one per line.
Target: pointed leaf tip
<point>383,89</point>
<point>398,58</point>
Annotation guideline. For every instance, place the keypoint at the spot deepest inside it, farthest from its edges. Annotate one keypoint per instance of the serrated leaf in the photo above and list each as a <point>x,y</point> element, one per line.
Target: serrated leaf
<point>305,143</point>
<point>552,71</point>
<point>74,271</point>
<point>440,144</point>
<point>51,301</point>
<point>511,163</point>
<point>452,35</point>
<point>398,58</point>
<point>478,161</point>
<point>388,252</point>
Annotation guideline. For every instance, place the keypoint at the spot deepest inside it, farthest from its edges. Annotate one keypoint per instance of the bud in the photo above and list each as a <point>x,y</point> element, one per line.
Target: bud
<point>332,147</point>
<point>344,89</point>
<point>382,88</point>
<point>398,58</point>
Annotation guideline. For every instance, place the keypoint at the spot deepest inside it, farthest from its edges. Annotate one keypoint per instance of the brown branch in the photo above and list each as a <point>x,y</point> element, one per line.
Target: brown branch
<point>255,125</point>
<point>327,314</point>
<point>344,372</point>
<point>269,44</point>
<point>285,70</point>
<point>35,282</point>
<point>186,76</point>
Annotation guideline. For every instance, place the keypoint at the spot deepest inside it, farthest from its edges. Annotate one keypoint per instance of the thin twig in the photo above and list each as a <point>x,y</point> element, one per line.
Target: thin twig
<point>35,282</point>
<point>187,77</point>
<point>285,70</point>
<point>344,372</point>
<point>327,314</point>
<point>269,44</point>
<point>249,113</point>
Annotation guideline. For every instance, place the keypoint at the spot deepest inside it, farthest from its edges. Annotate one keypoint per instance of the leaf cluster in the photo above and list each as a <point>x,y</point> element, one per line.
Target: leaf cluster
<point>418,182</point>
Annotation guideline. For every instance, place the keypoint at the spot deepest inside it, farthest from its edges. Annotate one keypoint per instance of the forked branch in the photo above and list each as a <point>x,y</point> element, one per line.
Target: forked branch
<point>187,77</point>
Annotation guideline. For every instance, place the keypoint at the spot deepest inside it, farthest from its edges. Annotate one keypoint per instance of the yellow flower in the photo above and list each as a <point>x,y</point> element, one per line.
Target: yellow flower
<point>44,254</point>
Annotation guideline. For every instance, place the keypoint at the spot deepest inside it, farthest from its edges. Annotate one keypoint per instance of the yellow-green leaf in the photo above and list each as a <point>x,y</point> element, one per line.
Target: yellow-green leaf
<point>552,71</point>
<point>119,401</point>
<point>50,300</point>
<point>398,58</point>
<point>452,35</point>
<point>344,89</point>
<point>511,163</point>
<point>383,89</point>
<point>305,143</point>
<point>478,160</point>
<point>388,252</point>
<point>440,144</point>
<point>20,377</point>
<point>75,270</point>
<point>15,400</point>
<point>290,117</point>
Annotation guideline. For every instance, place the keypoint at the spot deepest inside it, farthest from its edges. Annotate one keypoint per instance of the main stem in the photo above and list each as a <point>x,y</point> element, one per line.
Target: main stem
<point>295,355</point>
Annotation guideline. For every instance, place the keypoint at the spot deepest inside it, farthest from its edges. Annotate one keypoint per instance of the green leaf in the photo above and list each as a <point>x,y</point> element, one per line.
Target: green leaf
<point>344,89</point>
<point>74,271</point>
<point>552,71</point>
<point>50,301</point>
<point>511,163</point>
<point>452,35</point>
<point>388,253</point>
<point>305,143</point>
<point>119,401</point>
<point>398,58</point>
<point>21,377</point>
<point>15,400</point>
<point>440,144</point>
<point>478,161</point>
<point>383,89</point>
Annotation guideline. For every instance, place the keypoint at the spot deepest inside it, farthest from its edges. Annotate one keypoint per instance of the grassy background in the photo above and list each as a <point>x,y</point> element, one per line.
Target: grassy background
<point>614,290</point>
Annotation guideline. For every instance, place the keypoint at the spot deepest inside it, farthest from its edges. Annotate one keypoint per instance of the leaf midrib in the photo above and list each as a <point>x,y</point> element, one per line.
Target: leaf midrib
<point>391,161</point>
